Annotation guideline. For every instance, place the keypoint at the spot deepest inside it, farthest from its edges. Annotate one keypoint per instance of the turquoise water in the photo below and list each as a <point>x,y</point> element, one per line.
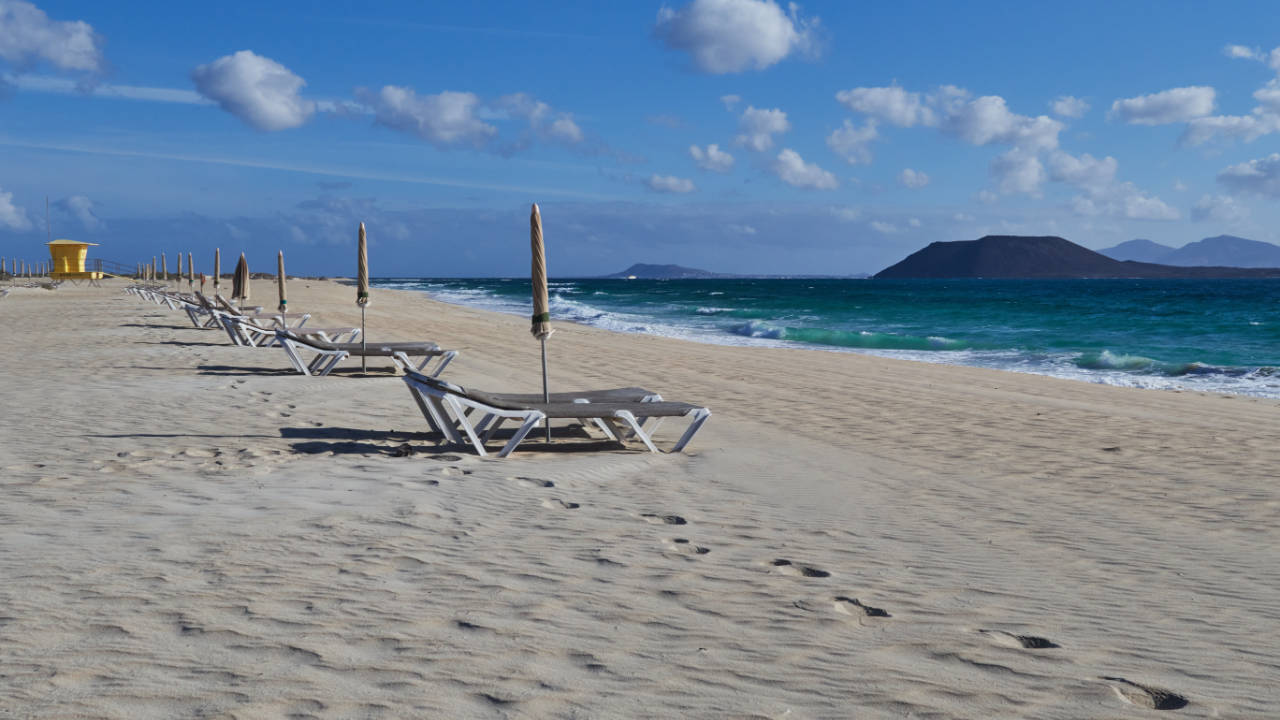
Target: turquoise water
<point>1216,335</point>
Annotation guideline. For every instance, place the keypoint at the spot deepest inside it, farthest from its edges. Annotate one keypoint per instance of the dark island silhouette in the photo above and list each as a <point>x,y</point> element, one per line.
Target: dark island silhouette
<point>1015,256</point>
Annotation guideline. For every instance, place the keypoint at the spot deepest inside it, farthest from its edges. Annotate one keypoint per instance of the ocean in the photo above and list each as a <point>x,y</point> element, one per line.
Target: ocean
<point>1208,335</point>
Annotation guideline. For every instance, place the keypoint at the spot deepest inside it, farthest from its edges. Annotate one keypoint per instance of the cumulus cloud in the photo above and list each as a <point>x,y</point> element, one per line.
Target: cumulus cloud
<point>546,122</point>
<point>759,126</point>
<point>890,104</point>
<point>82,209</point>
<point>730,36</point>
<point>730,101</point>
<point>1219,208</point>
<point>1083,171</point>
<point>793,170</point>
<point>1068,106</point>
<point>446,119</point>
<point>258,90</point>
<point>741,229</point>
<point>713,158</point>
<point>670,184</point>
<point>845,213</point>
<point>1101,194</point>
<point>852,143</point>
<point>985,120</point>
<point>1242,52</point>
<point>1168,106</point>
<point>1260,176</point>
<point>913,178</point>
<point>12,216</point>
<point>885,228</point>
<point>28,37</point>
<point>1018,171</point>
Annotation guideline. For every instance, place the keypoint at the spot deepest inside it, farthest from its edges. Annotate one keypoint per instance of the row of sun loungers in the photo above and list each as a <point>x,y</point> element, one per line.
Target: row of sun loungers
<point>462,416</point>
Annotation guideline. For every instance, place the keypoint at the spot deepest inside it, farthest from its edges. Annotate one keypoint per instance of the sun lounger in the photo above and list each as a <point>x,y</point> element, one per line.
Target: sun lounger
<point>329,354</point>
<point>468,416</point>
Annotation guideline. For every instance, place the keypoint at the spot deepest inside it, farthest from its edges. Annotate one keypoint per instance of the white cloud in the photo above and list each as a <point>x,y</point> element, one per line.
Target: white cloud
<point>1260,176</point>
<point>742,229</point>
<point>986,197</point>
<point>670,184</point>
<point>1179,186</point>
<point>730,36</point>
<point>987,120</point>
<point>28,37</point>
<point>1219,208</point>
<point>1242,52</point>
<point>1263,121</point>
<point>885,228</point>
<point>963,217</point>
<point>547,122</point>
<point>793,170</point>
<point>891,104</point>
<point>446,119</point>
<point>1018,171</point>
<point>1124,201</point>
<point>1168,106</point>
<point>258,90</point>
<point>913,222</point>
<point>759,126</point>
<point>81,208</point>
<point>851,142</point>
<point>713,158</point>
<point>12,216</point>
<point>1086,171</point>
<point>1068,106</point>
<point>730,101</point>
<point>913,178</point>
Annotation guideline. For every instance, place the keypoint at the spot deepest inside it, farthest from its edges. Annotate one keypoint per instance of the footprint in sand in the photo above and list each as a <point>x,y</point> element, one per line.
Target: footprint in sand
<point>664,519</point>
<point>1145,695</point>
<point>853,606</point>
<point>684,547</point>
<point>786,567</point>
<point>1029,642</point>
<point>533,482</point>
<point>556,503</point>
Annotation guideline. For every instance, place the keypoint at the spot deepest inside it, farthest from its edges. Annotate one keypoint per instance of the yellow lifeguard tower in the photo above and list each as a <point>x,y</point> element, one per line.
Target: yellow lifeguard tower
<point>68,261</point>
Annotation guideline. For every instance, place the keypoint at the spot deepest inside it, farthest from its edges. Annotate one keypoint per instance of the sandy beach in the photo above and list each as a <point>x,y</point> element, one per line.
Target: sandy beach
<point>191,530</point>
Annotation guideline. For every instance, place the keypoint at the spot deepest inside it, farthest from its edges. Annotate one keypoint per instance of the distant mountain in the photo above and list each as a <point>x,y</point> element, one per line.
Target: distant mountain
<point>1226,250</point>
<point>1220,251</point>
<point>1012,256</point>
<point>642,271</point>
<point>1139,250</point>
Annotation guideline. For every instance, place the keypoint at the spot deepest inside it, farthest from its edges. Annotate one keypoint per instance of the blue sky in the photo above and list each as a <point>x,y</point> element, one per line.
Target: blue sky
<point>736,135</point>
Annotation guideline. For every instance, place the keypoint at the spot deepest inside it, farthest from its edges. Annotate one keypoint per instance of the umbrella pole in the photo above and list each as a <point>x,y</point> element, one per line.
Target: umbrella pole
<point>546,397</point>
<point>364,344</point>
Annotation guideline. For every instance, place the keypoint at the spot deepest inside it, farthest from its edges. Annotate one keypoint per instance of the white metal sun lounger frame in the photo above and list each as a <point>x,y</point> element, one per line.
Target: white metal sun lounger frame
<point>449,410</point>
<point>327,359</point>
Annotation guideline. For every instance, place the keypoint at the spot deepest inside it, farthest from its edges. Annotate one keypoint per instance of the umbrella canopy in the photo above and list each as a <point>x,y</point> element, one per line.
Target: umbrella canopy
<point>191,272</point>
<point>280,279</point>
<point>541,306</point>
<point>362,268</point>
<point>240,281</point>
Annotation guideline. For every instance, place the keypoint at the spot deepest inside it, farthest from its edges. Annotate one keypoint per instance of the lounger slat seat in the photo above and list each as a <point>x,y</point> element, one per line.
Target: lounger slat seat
<point>464,416</point>
<point>329,354</point>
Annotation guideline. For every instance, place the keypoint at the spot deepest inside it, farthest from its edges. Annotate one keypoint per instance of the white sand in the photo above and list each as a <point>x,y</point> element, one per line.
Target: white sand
<point>189,531</point>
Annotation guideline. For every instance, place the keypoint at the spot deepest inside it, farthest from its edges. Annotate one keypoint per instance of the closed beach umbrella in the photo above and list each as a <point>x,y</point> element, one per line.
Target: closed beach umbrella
<point>280,279</point>
<point>164,269</point>
<point>240,281</point>
<point>362,287</point>
<point>191,273</point>
<point>541,327</point>
<point>217,268</point>
<point>153,268</point>
<point>179,276</point>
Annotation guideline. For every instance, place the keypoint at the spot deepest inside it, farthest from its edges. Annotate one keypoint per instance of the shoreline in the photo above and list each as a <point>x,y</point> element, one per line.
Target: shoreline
<point>1114,377</point>
<point>224,537</point>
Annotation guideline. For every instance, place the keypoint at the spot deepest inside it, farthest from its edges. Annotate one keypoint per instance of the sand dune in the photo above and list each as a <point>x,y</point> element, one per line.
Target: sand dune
<point>188,530</point>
